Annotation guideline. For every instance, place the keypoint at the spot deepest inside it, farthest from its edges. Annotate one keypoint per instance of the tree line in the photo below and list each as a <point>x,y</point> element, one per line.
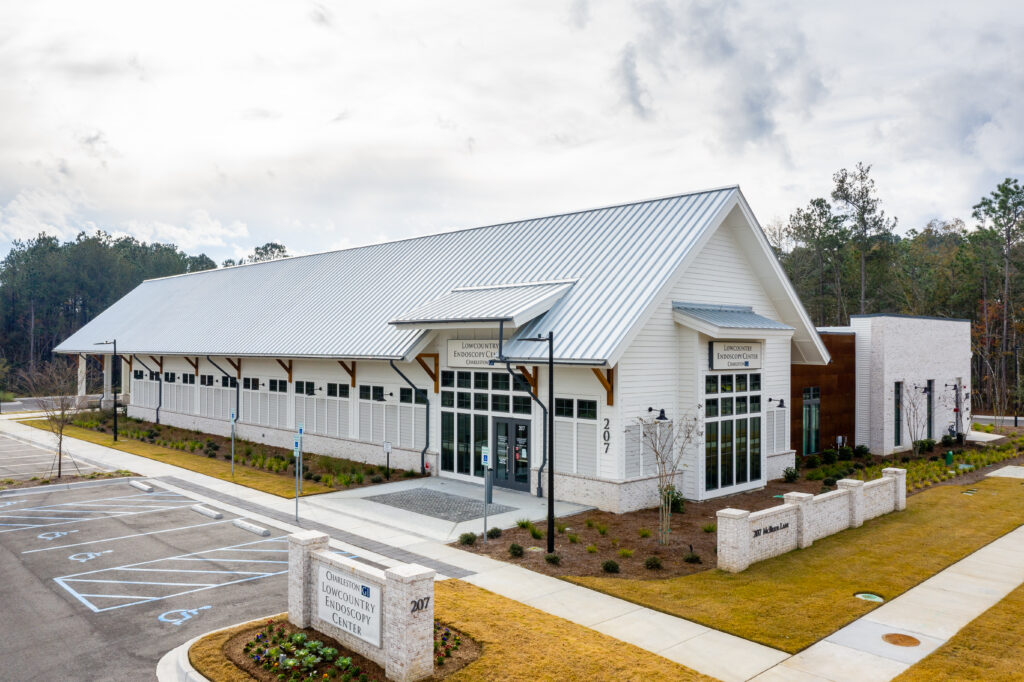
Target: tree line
<point>844,257</point>
<point>49,288</point>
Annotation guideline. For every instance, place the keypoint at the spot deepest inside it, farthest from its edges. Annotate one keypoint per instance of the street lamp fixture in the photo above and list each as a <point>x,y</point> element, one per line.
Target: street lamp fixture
<point>113,385</point>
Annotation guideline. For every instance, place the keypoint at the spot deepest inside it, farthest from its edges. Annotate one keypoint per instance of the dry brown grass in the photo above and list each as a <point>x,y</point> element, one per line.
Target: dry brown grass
<point>265,481</point>
<point>794,600</point>
<point>990,647</point>
<point>522,643</point>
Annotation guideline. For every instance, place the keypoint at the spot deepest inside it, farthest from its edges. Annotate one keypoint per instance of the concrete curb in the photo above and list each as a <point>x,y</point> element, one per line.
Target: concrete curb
<point>251,527</point>
<point>139,485</point>
<point>174,666</point>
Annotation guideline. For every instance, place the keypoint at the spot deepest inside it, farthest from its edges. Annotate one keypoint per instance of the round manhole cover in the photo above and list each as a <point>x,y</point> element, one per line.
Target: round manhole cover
<point>868,596</point>
<point>898,639</point>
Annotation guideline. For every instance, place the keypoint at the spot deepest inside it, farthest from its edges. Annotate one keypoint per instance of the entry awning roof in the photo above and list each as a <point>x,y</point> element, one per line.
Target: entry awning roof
<point>726,320</point>
<point>515,304</point>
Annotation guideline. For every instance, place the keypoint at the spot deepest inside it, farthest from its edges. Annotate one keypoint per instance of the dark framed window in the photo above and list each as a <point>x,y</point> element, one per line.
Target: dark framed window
<point>898,414</point>
<point>364,392</point>
<point>711,407</point>
<point>279,385</point>
<point>480,402</point>
<point>726,406</point>
<point>499,381</point>
<point>810,419</point>
<point>755,404</point>
<point>378,393</point>
<point>586,409</point>
<point>755,382</point>
<point>405,395</point>
<point>206,380</point>
<point>421,396</point>
<point>741,383</point>
<point>521,404</point>
<point>711,456</point>
<point>499,403</point>
<point>711,384</point>
<point>481,380</point>
<point>465,379</point>
<point>137,374</point>
<point>189,379</point>
<point>741,405</point>
<point>464,400</point>
<point>169,377</point>
<point>448,378</point>
<point>229,382</point>
<point>447,399</point>
<point>251,384</point>
<point>931,408</point>
<point>337,390</point>
<point>519,383</point>
<point>447,440</point>
<point>564,407</point>
<point>726,383</point>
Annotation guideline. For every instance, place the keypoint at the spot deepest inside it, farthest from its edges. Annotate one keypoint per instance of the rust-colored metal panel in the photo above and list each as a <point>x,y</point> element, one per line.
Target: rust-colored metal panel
<point>838,383</point>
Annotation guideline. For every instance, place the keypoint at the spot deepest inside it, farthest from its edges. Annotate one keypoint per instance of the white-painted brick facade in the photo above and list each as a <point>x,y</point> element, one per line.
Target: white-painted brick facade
<point>745,538</point>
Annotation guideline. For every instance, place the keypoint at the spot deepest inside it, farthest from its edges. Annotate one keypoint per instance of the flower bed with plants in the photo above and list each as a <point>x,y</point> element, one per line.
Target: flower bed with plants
<point>278,651</point>
<point>331,472</point>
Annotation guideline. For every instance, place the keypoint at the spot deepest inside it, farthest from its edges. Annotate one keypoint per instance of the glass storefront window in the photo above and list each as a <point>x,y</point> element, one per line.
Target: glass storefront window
<point>711,409</point>
<point>500,381</point>
<point>480,402</point>
<point>462,444</point>
<point>448,378</point>
<point>464,401</point>
<point>711,384</point>
<point>732,444</point>
<point>447,441</point>
<point>447,399</point>
<point>465,379</point>
<point>480,422</point>
<point>521,404</point>
<point>480,381</point>
<point>499,403</point>
<point>726,383</point>
<point>711,456</point>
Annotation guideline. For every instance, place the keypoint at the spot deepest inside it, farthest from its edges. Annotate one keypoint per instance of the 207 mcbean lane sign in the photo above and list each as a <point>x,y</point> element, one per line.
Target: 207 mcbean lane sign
<point>350,603</point>
<point>738,355</point>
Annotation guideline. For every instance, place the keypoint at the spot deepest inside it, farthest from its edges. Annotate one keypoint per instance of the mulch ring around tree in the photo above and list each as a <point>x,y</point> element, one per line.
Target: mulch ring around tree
<point>695,527</point>
<point>452,651</point>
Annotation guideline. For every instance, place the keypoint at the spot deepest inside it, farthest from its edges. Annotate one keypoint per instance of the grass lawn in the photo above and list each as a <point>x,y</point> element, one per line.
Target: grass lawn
<point>519,643</point>
<point>264,481</point>
<point>794,600</point>
<point>990,647</point>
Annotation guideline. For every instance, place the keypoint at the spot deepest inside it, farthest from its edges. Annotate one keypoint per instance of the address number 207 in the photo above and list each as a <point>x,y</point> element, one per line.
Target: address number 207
<point>420,604</point>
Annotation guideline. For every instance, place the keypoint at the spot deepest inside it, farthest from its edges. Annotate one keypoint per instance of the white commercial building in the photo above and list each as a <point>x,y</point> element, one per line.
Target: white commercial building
<point>675,304</point>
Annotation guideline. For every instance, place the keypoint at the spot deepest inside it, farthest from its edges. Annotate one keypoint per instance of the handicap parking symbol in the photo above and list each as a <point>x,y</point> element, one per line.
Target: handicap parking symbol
<point>82,557</point>
<point>179,616</point>
<point>54,534</point>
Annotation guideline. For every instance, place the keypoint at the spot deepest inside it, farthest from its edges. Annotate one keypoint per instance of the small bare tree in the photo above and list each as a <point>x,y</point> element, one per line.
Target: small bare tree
<point>915,413</point>
<point>668,442</point>
<point>56,385</point>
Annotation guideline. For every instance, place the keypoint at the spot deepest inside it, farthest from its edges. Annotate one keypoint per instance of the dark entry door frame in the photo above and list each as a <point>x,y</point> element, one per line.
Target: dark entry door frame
<point>512,450</point>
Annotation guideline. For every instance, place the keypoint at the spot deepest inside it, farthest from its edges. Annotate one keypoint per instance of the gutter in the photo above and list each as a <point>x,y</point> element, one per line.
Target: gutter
<point>417,392</point>
<point>238,387</point>
<point>160,393</point>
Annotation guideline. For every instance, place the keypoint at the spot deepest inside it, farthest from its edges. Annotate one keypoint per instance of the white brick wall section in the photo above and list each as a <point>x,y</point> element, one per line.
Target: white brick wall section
<point>408,634</point>
<point>745,538</point>
<point>301,546</point>
<point>900,493</point>
<point>778,463</point>
<point>855,489</point>
<point>733,540</point>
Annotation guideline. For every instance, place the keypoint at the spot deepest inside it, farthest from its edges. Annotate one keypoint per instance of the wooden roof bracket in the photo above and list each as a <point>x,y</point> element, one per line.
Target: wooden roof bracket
<point>607,379</point>
<point>159,363</point>
<point>237,366</point>
<point>351,371</point>
<point>194,363</point>
<point>530,378</point>
<point>102,359</point>
<point>128,360</point>
<point>435,372</point>
<point>287,368</point>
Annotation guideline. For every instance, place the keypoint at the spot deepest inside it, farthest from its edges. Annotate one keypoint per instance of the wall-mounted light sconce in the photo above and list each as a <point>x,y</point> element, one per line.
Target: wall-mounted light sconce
<point>661,414</point>
<point>385,397</point>
<point>781,402</point>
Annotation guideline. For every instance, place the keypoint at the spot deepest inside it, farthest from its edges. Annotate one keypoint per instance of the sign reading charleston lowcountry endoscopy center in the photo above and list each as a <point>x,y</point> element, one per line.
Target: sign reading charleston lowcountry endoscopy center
<point>471,353</point>
<point>350,603</point>
<point>735,355</point>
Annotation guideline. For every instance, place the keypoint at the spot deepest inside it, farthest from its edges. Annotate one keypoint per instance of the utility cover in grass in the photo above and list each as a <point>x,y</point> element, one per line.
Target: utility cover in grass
<point>455,508</point>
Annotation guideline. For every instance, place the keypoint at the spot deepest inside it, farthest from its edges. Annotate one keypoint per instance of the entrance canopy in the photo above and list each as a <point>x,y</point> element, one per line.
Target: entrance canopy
<point>486,306</point>
<point>727,321</point>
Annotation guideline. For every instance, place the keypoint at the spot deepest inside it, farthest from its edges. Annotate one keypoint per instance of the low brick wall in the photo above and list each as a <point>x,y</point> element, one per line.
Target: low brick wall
<point>745,538</point>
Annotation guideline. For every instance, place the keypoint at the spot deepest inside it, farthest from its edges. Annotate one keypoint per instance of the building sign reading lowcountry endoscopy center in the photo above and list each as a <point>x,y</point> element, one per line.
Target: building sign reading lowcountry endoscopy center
<point>349,602</point>
<point>738,355</point>
<point>471,353</point>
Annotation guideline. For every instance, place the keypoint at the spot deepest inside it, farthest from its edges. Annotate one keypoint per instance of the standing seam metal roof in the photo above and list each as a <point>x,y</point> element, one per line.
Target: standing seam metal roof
<point>502,303</point>
<point>338,304</point>
<point>728,316</point>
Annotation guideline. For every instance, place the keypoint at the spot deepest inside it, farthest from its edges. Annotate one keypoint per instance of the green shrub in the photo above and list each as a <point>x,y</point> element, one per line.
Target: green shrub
<point>846,453</point>
<point>811,462</point>
<point>345,480</point>
<point>376,478</point>
<point>358,478</point>
<point>829,482</point>
<point>610,566</point>
<point>328,480</point>
<point>494,532</point>
<point>692,558</point>
<point>552,559</point>
<point>573,538</point>
<point>409,473</point>
<point>589,523</point>
<point>709,527</point>
<point>535,532</point>
<point>467,538</point>
<point>861,451</point>
<point>829,456</point>
<point>602,529</point>
<point>515,550</point>
<point>591,549</point>
<point>625,553</point>
<point>925,444</point>
<point>653,563</point>
<point>790,474</point>
<point>560,527</point>
<point>816,475</point>
<point>524,523</point>
<point>644,532</point>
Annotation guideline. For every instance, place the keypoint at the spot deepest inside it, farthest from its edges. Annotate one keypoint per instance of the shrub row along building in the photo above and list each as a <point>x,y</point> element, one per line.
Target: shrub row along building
<point>674,304</point>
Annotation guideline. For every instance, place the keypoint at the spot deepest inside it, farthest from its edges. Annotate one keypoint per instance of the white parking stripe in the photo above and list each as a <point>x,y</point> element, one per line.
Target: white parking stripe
<point>125,537</point>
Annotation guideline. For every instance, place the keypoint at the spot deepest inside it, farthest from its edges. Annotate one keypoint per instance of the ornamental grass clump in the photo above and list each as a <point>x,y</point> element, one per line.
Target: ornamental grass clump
<point>494,532</point>
<point>552,559</point>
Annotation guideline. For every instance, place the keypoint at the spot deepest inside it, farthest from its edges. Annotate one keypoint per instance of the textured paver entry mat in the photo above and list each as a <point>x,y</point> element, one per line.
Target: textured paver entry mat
<point>455,508</point>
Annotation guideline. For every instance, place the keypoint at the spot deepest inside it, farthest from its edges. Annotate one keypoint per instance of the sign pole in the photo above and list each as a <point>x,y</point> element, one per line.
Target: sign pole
<point>296,451</point>
<point>300,458</point>
<point>233,417</point>
<point>387,459</point>
<point>485,456</point>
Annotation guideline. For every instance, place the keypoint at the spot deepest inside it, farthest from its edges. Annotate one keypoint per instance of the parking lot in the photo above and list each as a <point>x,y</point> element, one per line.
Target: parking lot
<point>99,581</point>
<point>21,462</point>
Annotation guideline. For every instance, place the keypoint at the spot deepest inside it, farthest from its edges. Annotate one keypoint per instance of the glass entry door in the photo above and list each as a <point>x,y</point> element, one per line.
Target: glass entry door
<point>512,453</point>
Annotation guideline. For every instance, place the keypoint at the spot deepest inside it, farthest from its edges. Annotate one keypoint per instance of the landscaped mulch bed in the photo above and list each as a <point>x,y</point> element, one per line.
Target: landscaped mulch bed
<point>346,665</point>
<point>333,472</point>
<point>11,483</point>
<point>624,532</point>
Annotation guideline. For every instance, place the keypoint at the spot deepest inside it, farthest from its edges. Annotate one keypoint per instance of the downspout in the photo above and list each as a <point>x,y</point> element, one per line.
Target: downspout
<point>416,392</point>
<point>508,366</point>
<point>238,386</point>
<point>160,393</point>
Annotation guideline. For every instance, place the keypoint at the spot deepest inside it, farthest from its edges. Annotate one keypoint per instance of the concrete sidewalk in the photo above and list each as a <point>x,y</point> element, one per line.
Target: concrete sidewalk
<point>931,613</point>
<point>701,648</point>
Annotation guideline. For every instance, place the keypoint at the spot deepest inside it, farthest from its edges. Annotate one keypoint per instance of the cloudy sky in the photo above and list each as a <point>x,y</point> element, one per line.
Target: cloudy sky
<point>222,125</point>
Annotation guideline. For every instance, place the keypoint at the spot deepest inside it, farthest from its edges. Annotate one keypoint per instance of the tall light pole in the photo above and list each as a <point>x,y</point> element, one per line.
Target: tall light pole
<point>112,384</point>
